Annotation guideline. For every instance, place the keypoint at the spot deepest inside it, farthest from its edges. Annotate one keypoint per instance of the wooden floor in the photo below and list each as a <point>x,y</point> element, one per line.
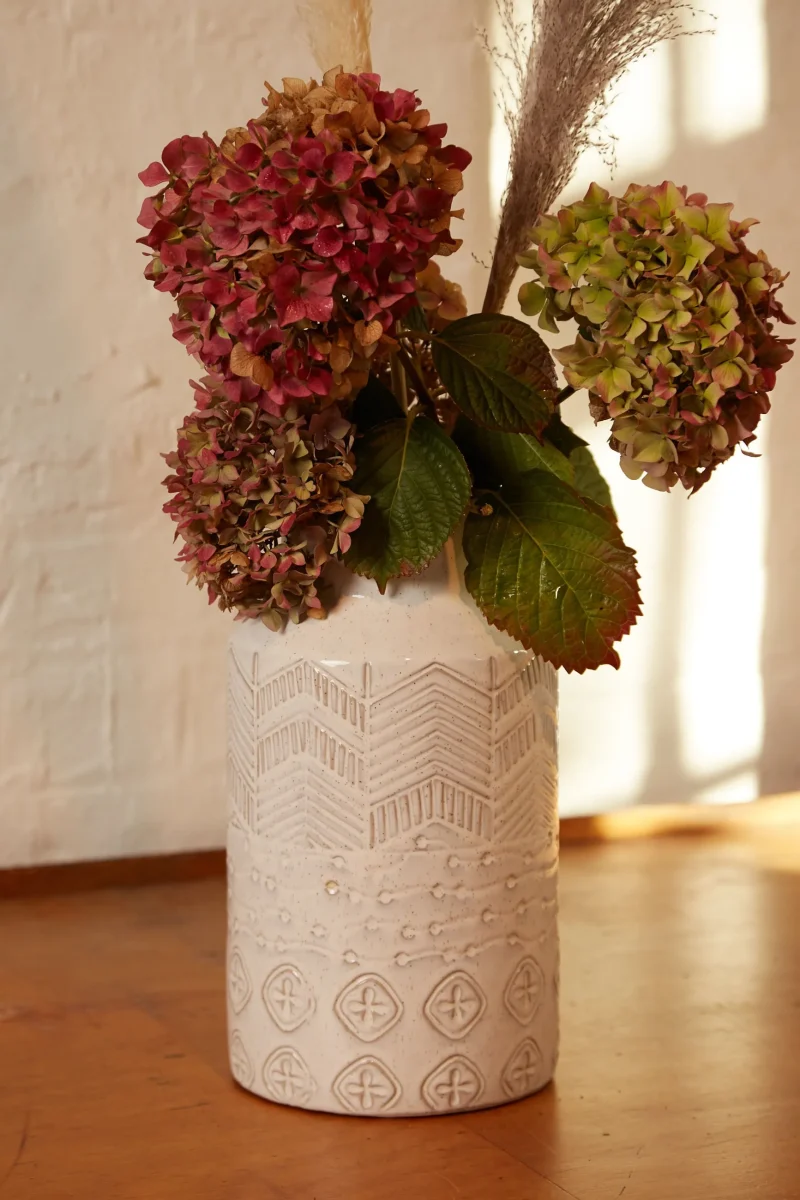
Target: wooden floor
<point>679,1076</point>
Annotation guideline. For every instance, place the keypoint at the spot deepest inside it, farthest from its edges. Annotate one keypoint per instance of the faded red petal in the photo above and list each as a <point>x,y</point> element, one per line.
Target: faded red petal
<point>435,132</point>
<point>283,161</point>
<point>342,164</point>
<point>218,291</point>
<point>294,387</point>
<point>430,202</point>
<point>148,213</point>
<point>328,241</point>
<point>249,156</point>
<point>153,175</point>
<point>319,308</point>
<point>454,156</point>
<point>294,310</point>
<point>172,155</point>
<point>305,220</point>
<point>319,283</point>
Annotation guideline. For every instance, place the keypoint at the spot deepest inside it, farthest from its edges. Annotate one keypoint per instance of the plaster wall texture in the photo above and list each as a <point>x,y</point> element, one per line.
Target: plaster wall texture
<point>111,672</point>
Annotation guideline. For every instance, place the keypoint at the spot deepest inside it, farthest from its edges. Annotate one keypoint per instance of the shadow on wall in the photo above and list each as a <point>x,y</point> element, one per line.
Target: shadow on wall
<point>703,708</point>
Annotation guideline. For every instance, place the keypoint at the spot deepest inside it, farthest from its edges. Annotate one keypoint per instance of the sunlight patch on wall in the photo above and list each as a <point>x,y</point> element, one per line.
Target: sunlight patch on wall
<point>721,618</point>
<point>638,128</point>
<point>726,73</point>
<point>605,716</point>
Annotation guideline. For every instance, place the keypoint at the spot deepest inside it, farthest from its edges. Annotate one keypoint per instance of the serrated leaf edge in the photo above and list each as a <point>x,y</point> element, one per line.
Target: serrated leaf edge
<point>503,623</point>
<point>363,574</point>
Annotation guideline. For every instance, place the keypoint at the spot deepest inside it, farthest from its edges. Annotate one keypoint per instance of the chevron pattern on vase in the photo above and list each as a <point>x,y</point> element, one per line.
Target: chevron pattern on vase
<point>525,755</point>
<point>438,757</point>
<point>305,682</point>
<point>242,739</point>
<point>303,807</point>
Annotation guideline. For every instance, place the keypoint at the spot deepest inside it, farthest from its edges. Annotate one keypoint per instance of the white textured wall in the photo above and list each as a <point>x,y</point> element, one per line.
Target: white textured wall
<point>111,672</point>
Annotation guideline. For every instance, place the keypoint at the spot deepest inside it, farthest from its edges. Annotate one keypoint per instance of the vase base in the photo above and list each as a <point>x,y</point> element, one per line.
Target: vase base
<point>401,1112</point>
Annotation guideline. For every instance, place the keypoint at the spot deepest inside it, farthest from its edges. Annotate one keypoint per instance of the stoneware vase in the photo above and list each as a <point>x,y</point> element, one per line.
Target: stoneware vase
<point>392,856</point>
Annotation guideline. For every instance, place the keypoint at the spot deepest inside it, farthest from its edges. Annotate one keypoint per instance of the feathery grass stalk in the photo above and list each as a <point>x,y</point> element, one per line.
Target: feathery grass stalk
<point>558,68</point>
<point>338,31</point>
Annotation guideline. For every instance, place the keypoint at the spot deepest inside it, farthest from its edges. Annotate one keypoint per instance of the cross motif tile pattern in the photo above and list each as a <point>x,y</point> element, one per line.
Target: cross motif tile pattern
<point>239,985</point>
<point>367,1086</point>
<point>287,1077</point>
<point>369,1007</point>
<point>288,997</point>
<point>241,1066</point>
<point>523,1071</point>
<point>456,1083</point>
<point>524,991</point>
<point>456,1005</point>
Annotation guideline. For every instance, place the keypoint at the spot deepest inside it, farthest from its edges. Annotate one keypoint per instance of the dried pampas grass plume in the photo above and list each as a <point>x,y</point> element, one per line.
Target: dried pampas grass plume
<point>338,31</point>
<point>558,68</point>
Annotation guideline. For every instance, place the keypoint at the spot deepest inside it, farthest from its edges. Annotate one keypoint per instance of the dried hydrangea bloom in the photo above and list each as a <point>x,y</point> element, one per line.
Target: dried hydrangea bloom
<point>299,237</point>
<point>261,501</point>
<point>440,299</point>
<point>676,317</point>
<point>292,249</point>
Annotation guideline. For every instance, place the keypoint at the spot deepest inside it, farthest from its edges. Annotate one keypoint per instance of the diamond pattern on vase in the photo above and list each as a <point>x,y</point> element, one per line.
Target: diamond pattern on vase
<point>524,990</point>
<point>241,1067</point>
<point>239,985</point>
<point>287,1077</point>
<point>454,1085</point>
<point>369,1007</point>
<point>523,1071</point>
<point>288,997</point>
<point>456,1005</point>
<point>367,1086</point>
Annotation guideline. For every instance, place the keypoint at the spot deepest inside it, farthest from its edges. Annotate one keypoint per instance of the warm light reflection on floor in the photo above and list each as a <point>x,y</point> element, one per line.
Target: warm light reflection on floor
<point>683,719</point>
<point>734,789</point>
<point>768,831</point>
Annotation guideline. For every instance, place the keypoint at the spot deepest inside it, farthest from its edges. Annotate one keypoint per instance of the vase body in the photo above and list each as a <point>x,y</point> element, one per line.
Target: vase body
<point>392,856</point>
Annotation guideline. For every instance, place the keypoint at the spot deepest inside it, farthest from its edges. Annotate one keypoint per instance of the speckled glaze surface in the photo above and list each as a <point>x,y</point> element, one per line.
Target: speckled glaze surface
<point>392,857</point>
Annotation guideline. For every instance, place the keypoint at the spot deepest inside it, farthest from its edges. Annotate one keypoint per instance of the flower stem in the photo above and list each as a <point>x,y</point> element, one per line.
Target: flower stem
<point>416,378</point>
<point>399,384</point>
<point>413,335</point>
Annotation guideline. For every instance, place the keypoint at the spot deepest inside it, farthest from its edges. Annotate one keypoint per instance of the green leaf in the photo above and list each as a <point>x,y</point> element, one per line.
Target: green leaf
<point>496,458</point>
<point>419,486</point>
<point>374,404</point>
<point>561,436</point>
<point>416,319</point>
<point>498,371</point>
<point>550,568</point>
<point>588,479</point>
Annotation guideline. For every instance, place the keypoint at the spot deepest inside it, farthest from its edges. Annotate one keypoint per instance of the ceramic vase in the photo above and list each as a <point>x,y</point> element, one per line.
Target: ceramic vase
<point>392,856</point>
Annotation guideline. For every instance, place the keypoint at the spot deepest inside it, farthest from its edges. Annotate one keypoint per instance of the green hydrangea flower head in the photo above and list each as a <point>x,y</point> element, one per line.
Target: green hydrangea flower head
<point>675,317</point>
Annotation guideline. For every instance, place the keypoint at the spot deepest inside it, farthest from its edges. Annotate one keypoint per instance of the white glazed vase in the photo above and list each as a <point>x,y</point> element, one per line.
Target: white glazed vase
<point>392,856</point>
